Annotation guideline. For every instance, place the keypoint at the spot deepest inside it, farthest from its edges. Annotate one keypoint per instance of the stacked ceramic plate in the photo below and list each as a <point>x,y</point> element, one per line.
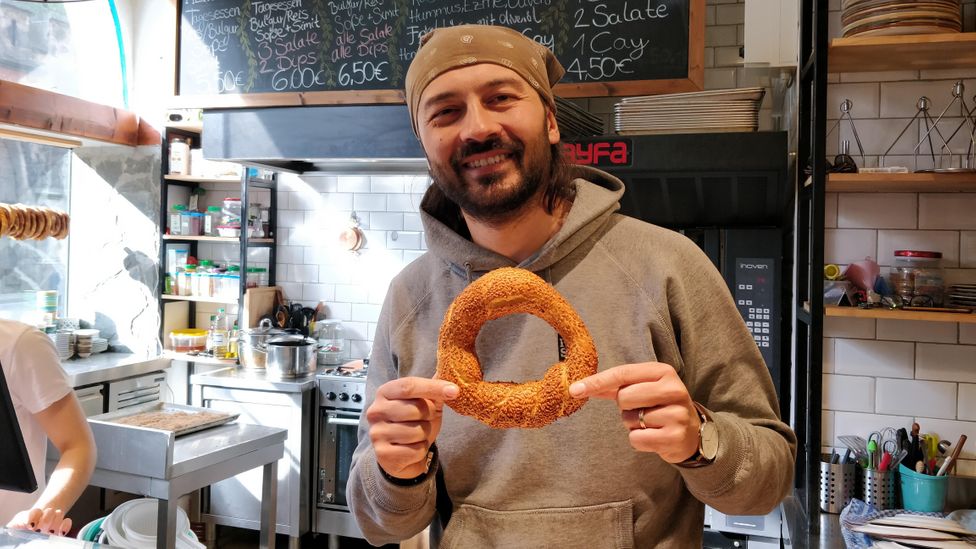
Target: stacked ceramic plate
<point>889,17</point>
<point>99,345</point>
<point>575,121</point>
<point>961,295</point>
<point>714,111</point>
<point>64,342</point>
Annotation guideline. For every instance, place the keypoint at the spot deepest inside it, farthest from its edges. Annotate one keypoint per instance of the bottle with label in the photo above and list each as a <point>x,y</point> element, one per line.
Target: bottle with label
<point>179,156</point>
<point>217,337</point>
<point>232,342</point>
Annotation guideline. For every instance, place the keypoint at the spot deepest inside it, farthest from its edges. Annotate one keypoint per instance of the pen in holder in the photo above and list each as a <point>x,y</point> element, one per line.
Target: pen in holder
<point>879,488</point>
<point>836,484</point>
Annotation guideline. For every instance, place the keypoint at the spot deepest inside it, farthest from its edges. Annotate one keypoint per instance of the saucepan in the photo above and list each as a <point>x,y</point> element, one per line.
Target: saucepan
<point>251,345</point>
<point>289,355</point>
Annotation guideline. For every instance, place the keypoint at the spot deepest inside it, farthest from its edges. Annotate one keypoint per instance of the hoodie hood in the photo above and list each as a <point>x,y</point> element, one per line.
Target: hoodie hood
<point>597,197</point>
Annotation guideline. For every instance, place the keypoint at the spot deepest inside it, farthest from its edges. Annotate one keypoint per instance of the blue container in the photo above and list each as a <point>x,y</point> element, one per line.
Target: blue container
<point>920,492</point>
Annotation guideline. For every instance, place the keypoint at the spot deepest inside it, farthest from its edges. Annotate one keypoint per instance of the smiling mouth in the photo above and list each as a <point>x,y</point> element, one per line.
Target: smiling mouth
<point>481,163</point>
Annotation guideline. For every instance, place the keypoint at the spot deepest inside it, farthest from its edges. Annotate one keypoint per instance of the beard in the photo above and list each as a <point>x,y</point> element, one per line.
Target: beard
<point>498,197</point>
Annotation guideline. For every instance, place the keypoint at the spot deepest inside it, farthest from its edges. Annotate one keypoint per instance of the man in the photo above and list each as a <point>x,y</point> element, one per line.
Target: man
<point>628,469</point>
<point>46,407</point>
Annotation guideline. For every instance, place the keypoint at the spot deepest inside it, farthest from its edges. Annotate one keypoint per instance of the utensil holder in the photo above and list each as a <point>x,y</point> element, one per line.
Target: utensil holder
<point>920,492</point>
<point>879,488</point>
<point>836,485</point>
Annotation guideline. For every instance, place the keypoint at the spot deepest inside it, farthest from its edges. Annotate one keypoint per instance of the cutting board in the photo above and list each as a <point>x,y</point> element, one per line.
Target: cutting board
<point>259,302</point>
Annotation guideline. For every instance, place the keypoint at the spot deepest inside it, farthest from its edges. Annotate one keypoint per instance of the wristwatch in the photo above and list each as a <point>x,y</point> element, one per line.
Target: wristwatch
<point>707,441</point>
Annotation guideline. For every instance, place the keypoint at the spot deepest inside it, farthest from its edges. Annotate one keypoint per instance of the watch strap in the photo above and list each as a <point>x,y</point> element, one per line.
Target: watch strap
<point>431,456</point>
<point>698,459</point>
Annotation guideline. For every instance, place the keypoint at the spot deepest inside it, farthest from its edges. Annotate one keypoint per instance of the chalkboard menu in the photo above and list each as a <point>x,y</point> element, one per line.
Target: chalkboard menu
<point>256,46</point>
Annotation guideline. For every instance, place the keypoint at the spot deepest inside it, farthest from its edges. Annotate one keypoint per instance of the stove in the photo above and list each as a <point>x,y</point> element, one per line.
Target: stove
<point>341,395</point>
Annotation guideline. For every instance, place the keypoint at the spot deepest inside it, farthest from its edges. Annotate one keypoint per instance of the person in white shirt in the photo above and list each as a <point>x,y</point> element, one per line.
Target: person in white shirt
<point>46,408</point>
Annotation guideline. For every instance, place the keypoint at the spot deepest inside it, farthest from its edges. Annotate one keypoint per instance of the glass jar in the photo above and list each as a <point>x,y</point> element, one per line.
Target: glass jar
<point>917,277</point>
<point>179,156</point>
<point>188,283</point>
<point>331,343</point>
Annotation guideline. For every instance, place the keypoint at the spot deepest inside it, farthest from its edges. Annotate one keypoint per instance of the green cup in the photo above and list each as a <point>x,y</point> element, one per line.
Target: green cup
<point>920,492</point>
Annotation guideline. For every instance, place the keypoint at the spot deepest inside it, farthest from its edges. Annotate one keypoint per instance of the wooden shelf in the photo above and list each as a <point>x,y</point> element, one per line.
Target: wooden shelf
<point>199,299</point>
<point>193,179</point>
<point>230,239</point>
<point>902,182</point>
<point>167,353</point>
<point>899,53</point>
<point>855,312</point>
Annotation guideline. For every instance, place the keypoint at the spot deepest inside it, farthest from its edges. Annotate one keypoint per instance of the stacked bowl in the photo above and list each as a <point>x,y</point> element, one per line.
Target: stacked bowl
<point>133,525</point>
<point>891,17</point>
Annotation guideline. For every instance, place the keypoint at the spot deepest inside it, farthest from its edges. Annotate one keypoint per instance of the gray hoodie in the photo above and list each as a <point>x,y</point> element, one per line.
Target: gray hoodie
<point>646,294</point>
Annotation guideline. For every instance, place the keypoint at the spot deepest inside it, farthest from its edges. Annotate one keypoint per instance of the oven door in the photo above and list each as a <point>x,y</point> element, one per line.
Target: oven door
<point>338,436</point>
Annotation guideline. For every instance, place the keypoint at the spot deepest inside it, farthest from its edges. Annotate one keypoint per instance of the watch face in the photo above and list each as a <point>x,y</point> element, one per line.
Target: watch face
<point>709,441</point>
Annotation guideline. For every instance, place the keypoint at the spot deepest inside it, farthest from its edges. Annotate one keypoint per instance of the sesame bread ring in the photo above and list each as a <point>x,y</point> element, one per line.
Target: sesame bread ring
<point>504,404</point>
<point>4,220</point>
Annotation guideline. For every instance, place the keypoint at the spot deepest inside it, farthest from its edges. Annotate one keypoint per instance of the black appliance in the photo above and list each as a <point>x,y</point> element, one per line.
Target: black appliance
<point>730,194</point>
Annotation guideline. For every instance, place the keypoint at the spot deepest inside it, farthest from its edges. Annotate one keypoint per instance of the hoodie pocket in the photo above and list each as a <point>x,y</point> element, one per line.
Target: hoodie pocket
<point>606,525</point>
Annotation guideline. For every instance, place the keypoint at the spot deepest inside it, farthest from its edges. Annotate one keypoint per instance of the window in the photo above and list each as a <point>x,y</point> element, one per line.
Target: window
<point>71,48</point>
<point>36,175</point>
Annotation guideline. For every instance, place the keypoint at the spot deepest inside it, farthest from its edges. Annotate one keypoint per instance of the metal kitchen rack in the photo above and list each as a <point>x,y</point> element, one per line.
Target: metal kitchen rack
<point>246,184</point>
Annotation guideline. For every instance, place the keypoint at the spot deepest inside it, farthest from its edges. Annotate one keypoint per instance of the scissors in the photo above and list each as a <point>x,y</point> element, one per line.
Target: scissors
<point>886,442</point>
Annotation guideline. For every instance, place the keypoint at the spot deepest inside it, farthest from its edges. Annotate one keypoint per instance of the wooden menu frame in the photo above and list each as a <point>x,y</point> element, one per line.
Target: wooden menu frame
<point>693,81</point>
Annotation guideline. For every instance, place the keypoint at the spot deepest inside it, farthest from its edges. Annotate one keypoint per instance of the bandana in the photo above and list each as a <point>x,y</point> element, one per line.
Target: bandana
<point>446,49</point>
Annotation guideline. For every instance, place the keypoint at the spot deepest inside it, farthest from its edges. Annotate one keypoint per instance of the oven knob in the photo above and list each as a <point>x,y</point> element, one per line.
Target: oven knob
<point>343,397</point>
<point>357,397</point>
<point>330,395</point>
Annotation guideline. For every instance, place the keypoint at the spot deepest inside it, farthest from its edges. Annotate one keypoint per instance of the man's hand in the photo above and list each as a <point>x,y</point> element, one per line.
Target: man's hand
<point>670,419</point>
<point>404,420</point>
<point>46,521</point>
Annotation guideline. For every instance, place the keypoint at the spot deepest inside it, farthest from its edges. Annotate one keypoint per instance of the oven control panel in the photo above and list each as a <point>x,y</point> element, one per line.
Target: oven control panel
<point>342,393</point>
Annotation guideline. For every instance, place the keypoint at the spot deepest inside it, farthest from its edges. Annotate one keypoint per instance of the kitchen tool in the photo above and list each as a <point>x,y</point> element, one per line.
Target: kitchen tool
<point>289,355</point>
<point>251,344</point>
<point>951,460</point>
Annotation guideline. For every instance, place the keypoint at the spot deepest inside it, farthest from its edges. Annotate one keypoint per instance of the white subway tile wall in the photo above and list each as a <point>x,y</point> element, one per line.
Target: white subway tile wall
<point>921,371</point>
<point>312,265</point>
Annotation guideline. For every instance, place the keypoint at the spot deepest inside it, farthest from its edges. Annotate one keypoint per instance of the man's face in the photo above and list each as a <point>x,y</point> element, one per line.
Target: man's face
<point>487,137</point>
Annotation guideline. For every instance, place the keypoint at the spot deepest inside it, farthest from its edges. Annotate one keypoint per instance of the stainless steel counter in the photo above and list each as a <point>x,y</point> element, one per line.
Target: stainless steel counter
<point>104,367</point>
<point>797,530</point>
<point>164,466</point>
<point>239,378</point>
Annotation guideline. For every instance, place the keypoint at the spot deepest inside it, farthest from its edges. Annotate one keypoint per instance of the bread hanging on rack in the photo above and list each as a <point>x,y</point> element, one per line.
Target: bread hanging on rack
<point>22,222</point>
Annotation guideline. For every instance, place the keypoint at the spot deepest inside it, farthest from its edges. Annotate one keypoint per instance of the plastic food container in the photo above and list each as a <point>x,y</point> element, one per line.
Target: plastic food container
<point>188,340</point>
<point>917,277</point>
<point>256,276</point>
<point>233,231</point>
<point>211,221</point>
<point>231,212</point>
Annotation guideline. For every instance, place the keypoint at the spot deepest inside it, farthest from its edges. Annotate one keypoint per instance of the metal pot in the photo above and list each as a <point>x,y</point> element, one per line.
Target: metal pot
<point>290,356</point>
<point>251,344</point>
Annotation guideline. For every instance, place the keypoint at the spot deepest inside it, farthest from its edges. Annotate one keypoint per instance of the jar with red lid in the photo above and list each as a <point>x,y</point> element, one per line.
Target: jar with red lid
<point>918,277</point>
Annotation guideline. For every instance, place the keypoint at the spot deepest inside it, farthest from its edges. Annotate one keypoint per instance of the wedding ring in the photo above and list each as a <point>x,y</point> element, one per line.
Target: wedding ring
<point>640,418</point>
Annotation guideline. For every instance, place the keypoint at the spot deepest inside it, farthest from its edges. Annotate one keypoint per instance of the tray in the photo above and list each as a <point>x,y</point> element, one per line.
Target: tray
<point>166,407</point>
